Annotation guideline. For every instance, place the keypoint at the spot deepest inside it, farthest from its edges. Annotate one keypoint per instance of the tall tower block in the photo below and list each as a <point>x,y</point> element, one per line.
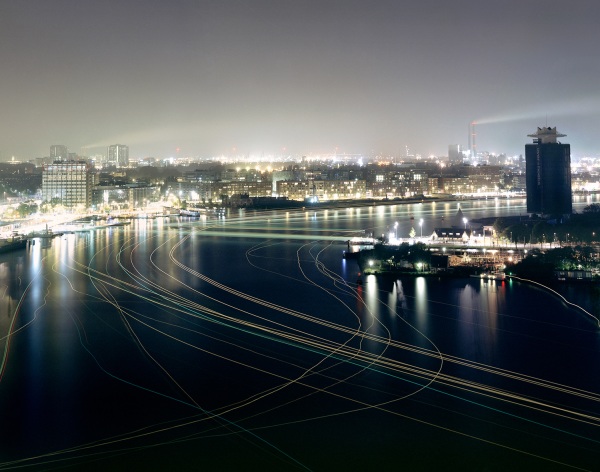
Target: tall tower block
<point>548,174</point>
<point>118,155</point>
<point>59,152</point>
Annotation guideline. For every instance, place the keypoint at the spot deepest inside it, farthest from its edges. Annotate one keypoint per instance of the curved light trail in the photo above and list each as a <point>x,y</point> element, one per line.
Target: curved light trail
<point>326,352</point>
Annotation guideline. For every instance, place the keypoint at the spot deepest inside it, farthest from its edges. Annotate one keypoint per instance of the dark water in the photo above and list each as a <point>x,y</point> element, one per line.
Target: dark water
<point>245,343</point>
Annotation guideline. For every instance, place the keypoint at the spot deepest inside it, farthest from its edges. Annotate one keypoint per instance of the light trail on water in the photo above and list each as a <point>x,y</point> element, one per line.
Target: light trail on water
<point>332,354</point>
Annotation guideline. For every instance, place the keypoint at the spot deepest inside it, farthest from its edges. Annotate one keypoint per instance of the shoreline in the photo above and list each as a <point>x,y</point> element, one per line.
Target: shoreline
<point>548,285</point>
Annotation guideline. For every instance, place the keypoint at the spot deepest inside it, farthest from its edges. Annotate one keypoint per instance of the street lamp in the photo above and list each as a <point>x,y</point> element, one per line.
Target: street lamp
<point>421,225</point>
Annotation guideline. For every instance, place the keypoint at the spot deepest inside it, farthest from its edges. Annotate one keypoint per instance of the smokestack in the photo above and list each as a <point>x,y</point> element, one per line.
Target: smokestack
<point>472,140</point>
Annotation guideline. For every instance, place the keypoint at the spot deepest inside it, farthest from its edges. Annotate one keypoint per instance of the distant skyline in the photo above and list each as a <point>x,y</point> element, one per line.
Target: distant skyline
<point>259,76</point>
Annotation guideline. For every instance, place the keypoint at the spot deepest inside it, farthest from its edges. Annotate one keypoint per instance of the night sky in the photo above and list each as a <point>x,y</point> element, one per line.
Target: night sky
<point>308,76</point>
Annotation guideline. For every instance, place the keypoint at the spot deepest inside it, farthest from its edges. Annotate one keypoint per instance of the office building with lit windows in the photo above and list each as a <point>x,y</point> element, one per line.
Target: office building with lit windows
<point>58,152</point>
<point>68,183</point>
<point>118,155</point>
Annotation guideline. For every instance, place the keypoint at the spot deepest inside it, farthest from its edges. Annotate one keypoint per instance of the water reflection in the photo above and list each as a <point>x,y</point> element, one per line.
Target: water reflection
<point>421,304</point>
<point>400,295</point>
<point>253,331</point>
<point>12,272</point>
<point>372,295</point>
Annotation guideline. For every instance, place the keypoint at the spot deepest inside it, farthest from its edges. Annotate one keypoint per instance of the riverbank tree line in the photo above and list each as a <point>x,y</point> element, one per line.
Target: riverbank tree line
<point>579,228</point>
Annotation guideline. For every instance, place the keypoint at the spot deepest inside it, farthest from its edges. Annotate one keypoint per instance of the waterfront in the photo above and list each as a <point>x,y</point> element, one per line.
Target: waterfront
<point>244,342</point>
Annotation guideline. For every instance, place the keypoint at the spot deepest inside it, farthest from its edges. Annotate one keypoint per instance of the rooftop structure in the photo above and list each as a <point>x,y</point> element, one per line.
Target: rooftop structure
<point>546,135</point>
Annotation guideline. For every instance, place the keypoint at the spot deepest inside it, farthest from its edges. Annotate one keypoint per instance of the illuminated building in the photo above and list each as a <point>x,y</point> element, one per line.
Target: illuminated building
<point>251,188</point>
<point>548,174</point>
<point>68,183</point>
<point>118,155</point>
<point>124,197</point>
<point>455,154</point>
<point>392,183</point>
<point>324,190</point>
<point>58,152</point>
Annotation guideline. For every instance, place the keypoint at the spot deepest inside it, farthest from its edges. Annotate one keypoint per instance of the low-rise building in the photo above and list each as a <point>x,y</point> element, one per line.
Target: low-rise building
<point>322,190</point>
<point>450,235</point>
<point>124,196</point>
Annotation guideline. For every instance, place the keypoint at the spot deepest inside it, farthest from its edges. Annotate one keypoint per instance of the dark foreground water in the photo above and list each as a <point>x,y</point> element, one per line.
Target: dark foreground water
<point>244,344</point>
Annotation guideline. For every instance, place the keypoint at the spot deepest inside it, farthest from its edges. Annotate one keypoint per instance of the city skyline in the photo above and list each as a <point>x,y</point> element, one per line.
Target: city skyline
<point>213,78</point>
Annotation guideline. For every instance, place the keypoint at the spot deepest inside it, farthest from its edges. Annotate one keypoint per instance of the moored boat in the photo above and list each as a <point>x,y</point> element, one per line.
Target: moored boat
<point>13,244</point>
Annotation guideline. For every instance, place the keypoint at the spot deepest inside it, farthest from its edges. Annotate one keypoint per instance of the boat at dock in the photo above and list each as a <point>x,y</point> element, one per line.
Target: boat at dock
<point>13,244</point>
<point>485,276</point>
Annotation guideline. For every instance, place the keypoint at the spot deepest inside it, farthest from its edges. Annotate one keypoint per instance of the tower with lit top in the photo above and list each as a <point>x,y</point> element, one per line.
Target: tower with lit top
<point>548,174</point>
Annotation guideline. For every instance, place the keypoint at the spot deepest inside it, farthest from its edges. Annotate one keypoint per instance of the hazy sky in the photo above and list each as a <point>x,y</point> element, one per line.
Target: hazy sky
<point>310,76</point>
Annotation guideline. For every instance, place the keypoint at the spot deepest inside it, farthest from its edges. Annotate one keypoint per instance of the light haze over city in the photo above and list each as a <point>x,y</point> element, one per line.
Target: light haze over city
<point>283,77</point>
<point>309,235</point>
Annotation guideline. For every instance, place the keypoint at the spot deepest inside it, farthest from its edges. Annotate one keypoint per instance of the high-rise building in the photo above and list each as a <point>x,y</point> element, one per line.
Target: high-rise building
<point>548,174</point>
<point>58,152</point>
<point>68,182</point>
<point>455,154</point>
<point>118,155</point>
